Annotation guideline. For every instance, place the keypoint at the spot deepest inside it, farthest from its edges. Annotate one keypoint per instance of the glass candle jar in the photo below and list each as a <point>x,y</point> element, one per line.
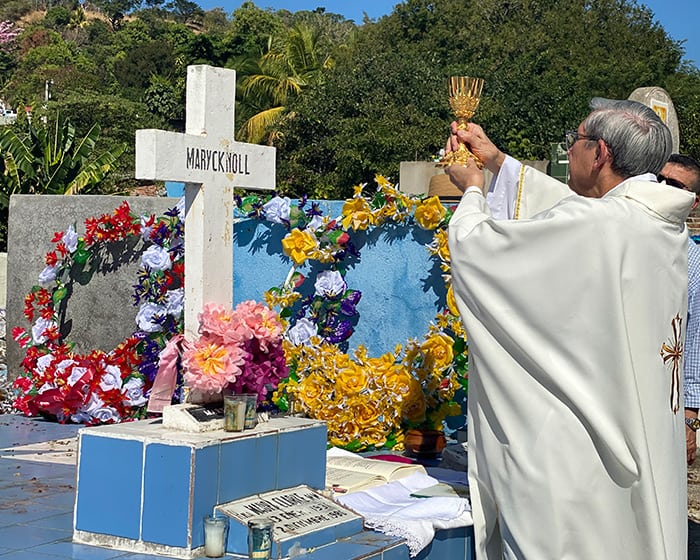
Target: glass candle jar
<point>260,538</point>
<point>234,412</point>
<point>215,529</point>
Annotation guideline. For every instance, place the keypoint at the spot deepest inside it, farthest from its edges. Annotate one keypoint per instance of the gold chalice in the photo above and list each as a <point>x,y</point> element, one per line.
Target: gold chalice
<point>465,93</point>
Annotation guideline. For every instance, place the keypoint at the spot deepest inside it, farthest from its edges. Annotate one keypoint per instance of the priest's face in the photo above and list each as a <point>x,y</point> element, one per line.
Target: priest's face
<point>582,155</point>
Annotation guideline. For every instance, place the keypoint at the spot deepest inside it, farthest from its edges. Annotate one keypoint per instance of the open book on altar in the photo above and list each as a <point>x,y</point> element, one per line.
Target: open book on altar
<point>350,473</point>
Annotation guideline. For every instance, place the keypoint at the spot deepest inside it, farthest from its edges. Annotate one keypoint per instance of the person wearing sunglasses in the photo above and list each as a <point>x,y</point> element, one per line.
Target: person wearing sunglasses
<point>575,314</point>
<point>683,172</point>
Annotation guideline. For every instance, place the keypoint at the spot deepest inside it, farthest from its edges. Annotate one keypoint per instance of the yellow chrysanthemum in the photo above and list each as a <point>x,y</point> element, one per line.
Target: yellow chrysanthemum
<point>299,245</point>
<point>429,214</point>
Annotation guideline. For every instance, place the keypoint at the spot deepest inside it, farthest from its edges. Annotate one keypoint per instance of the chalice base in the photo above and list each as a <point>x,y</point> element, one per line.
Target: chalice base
<point>460,157</point>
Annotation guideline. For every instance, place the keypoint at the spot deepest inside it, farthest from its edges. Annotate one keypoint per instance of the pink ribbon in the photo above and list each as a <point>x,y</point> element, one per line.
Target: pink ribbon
<point>166,379</point>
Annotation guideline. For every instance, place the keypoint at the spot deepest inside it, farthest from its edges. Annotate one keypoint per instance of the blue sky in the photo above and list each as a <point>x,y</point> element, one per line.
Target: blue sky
<point>680,18</point>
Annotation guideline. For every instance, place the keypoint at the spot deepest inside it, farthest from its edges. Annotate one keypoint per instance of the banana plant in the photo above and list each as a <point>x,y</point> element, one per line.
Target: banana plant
<point>48,159</point>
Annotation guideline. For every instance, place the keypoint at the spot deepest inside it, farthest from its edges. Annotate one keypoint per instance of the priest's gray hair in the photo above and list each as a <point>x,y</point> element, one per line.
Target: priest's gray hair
<point>639,140</point>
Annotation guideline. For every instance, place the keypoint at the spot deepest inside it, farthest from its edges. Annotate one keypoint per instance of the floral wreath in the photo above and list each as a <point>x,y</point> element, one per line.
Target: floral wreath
<point>101,387</point>
<point>367,402</point>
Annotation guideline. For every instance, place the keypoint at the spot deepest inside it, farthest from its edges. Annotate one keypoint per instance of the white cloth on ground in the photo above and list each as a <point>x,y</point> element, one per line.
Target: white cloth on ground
<point>390,509</point>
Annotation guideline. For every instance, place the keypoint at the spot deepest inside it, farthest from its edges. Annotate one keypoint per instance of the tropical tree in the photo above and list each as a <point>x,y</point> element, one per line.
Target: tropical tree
<point>283,73</point>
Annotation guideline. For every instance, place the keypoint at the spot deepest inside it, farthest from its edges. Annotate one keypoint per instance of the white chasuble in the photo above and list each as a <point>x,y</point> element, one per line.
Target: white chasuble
<point>575,319</point>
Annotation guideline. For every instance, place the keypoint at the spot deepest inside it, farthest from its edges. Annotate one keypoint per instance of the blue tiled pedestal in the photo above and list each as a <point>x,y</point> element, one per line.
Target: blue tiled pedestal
<point>145,488</point>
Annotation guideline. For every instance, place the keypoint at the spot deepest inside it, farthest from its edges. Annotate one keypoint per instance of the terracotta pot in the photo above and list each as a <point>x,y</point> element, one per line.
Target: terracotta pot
<point>424,443</point>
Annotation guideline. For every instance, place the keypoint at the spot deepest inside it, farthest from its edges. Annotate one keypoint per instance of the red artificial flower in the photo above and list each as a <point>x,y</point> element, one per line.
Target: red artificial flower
<point>51,258</point>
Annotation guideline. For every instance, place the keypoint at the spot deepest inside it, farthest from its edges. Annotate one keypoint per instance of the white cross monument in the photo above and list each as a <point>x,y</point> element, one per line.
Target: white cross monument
<point>210,163</point>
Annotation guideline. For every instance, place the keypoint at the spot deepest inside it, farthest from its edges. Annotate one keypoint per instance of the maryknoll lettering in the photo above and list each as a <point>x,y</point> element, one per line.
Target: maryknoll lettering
<point>217,161</point>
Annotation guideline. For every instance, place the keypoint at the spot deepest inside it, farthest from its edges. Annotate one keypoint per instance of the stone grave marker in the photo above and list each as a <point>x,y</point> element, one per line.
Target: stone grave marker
<point>660,101</point>
<point>210,163</point>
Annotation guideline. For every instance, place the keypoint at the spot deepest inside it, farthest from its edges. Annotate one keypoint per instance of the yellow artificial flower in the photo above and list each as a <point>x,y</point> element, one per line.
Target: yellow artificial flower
<point>441,246</point>
<point>311,389</point>
<point>351,380</point>
<point>452,302</point>
<point>430,213</point>
<point>299,245</point>
<point>438,350</point>
<point>357,214</point>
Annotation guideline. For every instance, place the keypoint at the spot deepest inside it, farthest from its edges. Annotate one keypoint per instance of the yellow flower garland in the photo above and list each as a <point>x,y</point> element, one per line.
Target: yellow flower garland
<point>369,402</point>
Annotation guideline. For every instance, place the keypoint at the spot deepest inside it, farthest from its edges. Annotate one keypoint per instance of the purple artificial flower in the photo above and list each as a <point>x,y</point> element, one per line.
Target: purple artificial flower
<point>348,306</point>
<point>341,332</point>
<point>277,210</point>
<point>329,283</point>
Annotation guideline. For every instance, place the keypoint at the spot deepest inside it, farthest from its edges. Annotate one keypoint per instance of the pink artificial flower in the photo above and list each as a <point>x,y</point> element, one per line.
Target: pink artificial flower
<point>264,324</point>
<point>218,321</point>
<point>210,366</point>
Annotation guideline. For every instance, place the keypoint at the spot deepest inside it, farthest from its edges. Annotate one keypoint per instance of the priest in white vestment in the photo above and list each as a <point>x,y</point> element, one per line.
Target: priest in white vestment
<point>575,317</point>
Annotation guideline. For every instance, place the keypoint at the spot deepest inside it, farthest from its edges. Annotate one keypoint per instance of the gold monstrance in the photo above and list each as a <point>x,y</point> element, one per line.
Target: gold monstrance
<point>465,93</point>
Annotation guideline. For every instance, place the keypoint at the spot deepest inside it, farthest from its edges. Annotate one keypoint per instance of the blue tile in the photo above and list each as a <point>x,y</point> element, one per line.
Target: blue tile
<point>295,448</point>
<point>109,467</point>
<point>48,518</point>
<point>205,491</point>
<point>398,552</point>
<point>62,521</point>
<point>25,536</point>
<point>247,467</point>
<point>29,555</point>
<point>457,544</point>
<point>67,549</point>
<point>167,481</point>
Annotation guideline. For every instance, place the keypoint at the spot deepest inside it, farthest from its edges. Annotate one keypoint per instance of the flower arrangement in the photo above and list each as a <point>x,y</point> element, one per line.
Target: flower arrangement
<point>101,387</point>
<point>297,354</point>
<point>239,350</point>
<point>367,402</point>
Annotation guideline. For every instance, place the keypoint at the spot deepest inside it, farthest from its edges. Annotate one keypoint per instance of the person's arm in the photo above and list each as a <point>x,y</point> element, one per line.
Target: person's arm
<point>691,357</point>
<point>511,194</point>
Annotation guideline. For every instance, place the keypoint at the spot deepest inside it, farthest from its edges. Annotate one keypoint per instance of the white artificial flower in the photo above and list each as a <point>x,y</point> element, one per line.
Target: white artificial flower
<point>156,258</point>
<point>111,378</point>
<point>70,239</point>
<point>329,283</point>
<point>39,330</point>
<point>48,275</point>
<point>133,392</point>
<point>145,318</point>
<point>302,331</point>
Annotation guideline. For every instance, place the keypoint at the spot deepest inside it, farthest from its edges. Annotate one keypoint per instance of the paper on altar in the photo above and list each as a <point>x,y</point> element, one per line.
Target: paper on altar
<point>392,510</point>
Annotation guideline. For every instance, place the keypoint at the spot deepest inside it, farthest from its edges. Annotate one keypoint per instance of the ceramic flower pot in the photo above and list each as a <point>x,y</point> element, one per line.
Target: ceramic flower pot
<point>424,443</point>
